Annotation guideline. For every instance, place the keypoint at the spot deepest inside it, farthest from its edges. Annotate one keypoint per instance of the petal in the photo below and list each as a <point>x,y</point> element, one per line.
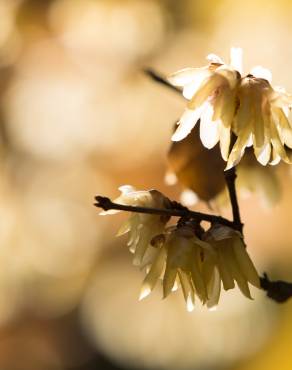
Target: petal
<point>141,246</point>
<point>192,87</point>
<point>245,263</point>
<point>169,280</point>
<point>261,72</point>
<point>186,123</point>
<point>197,277</point>
<point>186,76</point>
<point>214,290</point>
<point>213,58</point>
<point>236,272</point>
<point>236,59</point>
<point>125,228</point>
<point>208,87</point>
<point>224,270</point>
<point>263,154</point>
<point>238,149</point>
<point>258,121</point>
<point>209,130</point>
<point>153,275</point>
<point>188,290</point>
<point>277,144</point>
<point>224,134</point>
<point>285,129</point>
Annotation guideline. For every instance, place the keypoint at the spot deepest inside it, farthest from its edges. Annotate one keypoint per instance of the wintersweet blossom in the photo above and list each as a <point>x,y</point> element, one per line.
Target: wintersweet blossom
<point>184,255</point>
<point>179,261</point>
<point>232,260</point>
<point>227,102</point>
<point>141,227</point>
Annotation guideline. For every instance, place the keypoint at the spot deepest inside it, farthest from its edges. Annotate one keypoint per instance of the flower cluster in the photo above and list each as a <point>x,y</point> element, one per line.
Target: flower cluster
<point>185,255</point>
<point>227,102</point>
<point>141,227</point>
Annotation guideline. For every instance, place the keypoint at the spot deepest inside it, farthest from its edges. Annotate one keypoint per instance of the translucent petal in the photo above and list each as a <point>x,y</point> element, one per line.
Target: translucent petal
<point>245,263</point>
<point>208,87</point>
<point>186,123</point>
<point>277,144</point>
<point>141,247</point>
<point>238,149</point>
<point>168,280</point>
<point>263,154</point>
<point>235,270</point>
<point>224,134</point>
<point>109,212</point>
<point>214,290</point>
<point>125,189</point>
<point>213,58</point>
<point>236,59</point>
<point>209,130</point>
<point>153,275</point>
<point>186,76</point>
<point>285,129</point>
<point>258,123</point>
<point>192,87</point>
<point>261,72</point>
<point>225,273</point>
<point>125,228</point>
<point>275,158</point>
<point>187,288</point>
<point>197,276</point>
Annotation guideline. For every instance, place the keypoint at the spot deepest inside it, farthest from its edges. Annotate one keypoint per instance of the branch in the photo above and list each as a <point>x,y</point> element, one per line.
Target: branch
<point>279,291</point>
<point>158,78</point>
<point>230,177</point>
<point>177,211</point>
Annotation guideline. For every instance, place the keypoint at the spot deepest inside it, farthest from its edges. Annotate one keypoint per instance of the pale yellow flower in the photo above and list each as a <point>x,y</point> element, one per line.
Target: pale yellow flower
<point>227,102</point>
<point>141,227</point>
<point>232,260</point>
<point>179,261</point>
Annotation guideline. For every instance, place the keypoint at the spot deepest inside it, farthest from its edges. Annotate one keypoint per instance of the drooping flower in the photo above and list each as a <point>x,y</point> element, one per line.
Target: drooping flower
<point>232,260</point>
<point>179,261</point>
<point>141,227</point>
<point>226,102</point>
<point>199,171</point>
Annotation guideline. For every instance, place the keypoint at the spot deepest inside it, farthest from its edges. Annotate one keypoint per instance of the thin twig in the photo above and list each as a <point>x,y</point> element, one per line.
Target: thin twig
<point>157,77</point>
<point>279,291</point>
<point>230,177</point>
<point>106,204</point>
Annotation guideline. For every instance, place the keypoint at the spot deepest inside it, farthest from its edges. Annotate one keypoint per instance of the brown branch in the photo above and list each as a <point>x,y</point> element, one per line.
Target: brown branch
<point>177,211</point>
<point>162,80</point>
<point>279,291</point>
<point>230,177</point>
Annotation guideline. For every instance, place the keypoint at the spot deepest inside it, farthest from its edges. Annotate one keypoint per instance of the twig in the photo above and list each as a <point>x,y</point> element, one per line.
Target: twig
<point>177,211</point>
<point>279,291</point>
<point>230,177</point>
<point>158,78</point>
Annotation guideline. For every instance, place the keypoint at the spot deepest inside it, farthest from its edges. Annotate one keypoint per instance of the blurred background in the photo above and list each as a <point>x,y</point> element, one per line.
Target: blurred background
<point>78,117</point>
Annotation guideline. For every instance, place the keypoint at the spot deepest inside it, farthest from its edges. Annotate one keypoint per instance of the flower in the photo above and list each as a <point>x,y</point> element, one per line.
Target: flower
<point>184,255</point>
<point>226,102</point>
<point>199,171</point>
<point>232,260</point>
<point>141,227</point>
<point>180,261</point>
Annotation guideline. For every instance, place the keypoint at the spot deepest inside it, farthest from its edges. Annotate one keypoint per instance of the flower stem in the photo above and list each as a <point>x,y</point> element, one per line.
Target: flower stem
<point>176,211</point>
<point>230,177</point>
